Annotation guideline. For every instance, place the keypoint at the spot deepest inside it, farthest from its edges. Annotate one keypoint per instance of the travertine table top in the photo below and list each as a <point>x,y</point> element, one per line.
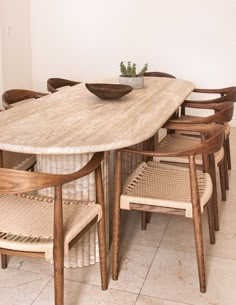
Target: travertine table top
<point>73,120</point>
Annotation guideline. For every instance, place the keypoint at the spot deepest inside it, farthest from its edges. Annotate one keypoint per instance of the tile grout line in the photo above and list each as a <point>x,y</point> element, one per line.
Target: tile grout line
<point>153,259</point>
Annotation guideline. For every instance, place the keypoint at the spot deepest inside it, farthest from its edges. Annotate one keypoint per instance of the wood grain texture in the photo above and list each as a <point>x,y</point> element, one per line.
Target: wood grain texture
<point>74,121</point>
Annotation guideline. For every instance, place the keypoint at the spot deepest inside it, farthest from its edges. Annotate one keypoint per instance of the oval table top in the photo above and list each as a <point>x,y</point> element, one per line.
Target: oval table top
<point>73,120</point>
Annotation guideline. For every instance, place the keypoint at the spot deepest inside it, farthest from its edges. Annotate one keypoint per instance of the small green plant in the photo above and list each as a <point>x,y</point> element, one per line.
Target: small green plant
<point>129,70</point>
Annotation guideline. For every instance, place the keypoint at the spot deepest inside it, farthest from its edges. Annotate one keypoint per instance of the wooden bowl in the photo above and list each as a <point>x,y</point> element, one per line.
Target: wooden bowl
<point>109,91</point>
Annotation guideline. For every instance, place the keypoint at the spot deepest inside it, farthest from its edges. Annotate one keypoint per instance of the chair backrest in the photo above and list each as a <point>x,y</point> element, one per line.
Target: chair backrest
<point>15,181</point>
<point>159,74</point>
<point>213,134</point>
<point>223,113</point>
<point>12,96</point>
<point>53,84</point>
<point>229,95</point>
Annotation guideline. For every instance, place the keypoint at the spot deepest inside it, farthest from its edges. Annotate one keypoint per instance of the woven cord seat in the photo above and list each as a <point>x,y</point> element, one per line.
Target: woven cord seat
<point>157,184</point>
<point>27,222</point>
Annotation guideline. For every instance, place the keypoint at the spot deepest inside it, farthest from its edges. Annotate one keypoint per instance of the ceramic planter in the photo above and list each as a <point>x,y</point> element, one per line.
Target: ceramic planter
<point>134,82</point>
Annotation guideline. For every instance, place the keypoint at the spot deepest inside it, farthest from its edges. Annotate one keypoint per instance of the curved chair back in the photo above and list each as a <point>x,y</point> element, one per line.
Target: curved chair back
<point>223,113</point>
<point>213,134</point>
<point>159,74</point>
<point>12,96</point>
<point>53,84</point>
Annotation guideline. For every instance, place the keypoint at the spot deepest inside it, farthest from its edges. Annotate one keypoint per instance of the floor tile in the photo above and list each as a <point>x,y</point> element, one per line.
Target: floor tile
<point>179,235</point>
<point>18,287</point>
<point>173,276</point>
<point>131,232</point>
<point>37,265</point>
<point>134,266</point>
<point>83,294</point>
<point>143,300</point>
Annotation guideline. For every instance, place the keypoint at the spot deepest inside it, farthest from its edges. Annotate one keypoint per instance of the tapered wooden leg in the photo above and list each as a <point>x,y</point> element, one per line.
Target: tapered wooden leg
<point>197,223</point>
<point>226,168</point>
<point>101,229</point>
<point>143,220</point>
<point>4,261</point>
<point>116,217</point>
<point>211,225</point>
<point>58,250</point>
<point>214,194</point>
<point>228,154</point>
<point>222,180</point>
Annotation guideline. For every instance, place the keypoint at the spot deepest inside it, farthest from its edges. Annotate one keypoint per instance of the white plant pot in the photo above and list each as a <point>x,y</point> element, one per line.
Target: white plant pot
<point>134,82</point>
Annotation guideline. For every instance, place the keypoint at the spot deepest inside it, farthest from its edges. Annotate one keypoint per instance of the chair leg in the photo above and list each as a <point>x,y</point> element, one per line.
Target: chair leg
<point>226,169</point>
<point>101,230</point>
<point>199,250</point>
<point>116,217</point>
<point>228,154</point>
<point>4,261</point>
<point>214,194</point>
<point>143,220</point>
<point>58,250</point>
<point>197,223</point>
<point>211,225</point>
<point>222,180</point>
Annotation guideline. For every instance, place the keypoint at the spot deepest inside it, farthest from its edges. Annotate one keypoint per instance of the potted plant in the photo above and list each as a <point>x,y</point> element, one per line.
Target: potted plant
<point>129,75</point>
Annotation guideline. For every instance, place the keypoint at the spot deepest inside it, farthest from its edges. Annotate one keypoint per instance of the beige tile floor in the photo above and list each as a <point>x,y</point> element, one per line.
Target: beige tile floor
<point>158,266</point>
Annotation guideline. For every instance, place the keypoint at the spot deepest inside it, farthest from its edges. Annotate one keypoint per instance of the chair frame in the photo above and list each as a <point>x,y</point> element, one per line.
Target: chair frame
<point>15,182</point>
<point>226,94</point>
<point>53,84</point>
<point>212,137</point>
<point>223,114</point>
<point>12,96</point>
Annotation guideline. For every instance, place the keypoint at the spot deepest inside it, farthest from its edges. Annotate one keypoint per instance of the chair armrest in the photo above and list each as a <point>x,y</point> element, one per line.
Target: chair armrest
<point>220,91</point>
<point>213,143</point>
<point>15,181</point>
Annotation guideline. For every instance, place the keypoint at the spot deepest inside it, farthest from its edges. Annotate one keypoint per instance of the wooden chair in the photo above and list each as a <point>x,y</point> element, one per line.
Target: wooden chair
<point>165,188</point>
<point>54,84</point>
<point>13,97</point>
<point>159,74</point>
<point>227,94</point>
<point>223,114</point>
<point>36,226</point>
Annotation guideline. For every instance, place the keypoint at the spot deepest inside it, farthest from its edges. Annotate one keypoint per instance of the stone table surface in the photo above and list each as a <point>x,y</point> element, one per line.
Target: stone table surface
<point>74,121</point>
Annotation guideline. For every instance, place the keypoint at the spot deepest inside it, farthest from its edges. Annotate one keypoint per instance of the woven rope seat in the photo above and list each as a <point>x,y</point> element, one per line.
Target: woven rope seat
<point>175,142</point>
<point>164,185</point>
<point>17,160</point>
<point>27,222</point>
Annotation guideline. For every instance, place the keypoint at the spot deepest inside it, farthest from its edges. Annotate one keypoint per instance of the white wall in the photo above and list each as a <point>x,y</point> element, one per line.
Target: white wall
<point>1,78</point>
<point>85,40</point>
<point>16,44</point>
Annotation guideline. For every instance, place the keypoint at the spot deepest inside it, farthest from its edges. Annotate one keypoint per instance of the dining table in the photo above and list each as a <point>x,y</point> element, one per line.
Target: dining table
<point>65,128</point>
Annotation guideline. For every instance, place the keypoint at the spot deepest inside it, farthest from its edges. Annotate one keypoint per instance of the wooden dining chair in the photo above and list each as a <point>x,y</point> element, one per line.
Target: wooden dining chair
<point>223,113</point>
<point>54,84</point>
<point>165,188</point>
<point>158,74</point>
<point>226,94</point>
<point>37,226</point>
<point>15,97</point>
<point>12,98</point>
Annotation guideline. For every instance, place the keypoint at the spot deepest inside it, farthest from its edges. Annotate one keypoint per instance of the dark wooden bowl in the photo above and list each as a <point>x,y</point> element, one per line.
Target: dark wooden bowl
<point>109,91</point>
